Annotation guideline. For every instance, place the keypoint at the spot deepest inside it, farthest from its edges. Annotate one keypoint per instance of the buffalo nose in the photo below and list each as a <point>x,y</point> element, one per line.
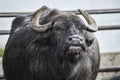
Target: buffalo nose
<point>76,40</point>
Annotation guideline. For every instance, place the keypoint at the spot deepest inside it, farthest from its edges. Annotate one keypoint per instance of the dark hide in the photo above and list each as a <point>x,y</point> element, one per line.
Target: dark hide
<point>33,55</point>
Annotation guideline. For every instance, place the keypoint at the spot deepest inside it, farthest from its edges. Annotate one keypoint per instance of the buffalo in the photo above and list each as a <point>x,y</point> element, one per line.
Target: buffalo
<point>52,45</point>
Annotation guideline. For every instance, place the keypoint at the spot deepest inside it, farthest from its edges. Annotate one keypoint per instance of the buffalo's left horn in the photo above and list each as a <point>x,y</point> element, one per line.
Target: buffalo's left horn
<point>91,23</point>
<point>35,20</point>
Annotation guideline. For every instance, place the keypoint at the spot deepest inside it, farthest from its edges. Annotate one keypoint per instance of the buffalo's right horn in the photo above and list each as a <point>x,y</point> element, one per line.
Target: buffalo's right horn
<point>35,20</point>
<point>91,23</point>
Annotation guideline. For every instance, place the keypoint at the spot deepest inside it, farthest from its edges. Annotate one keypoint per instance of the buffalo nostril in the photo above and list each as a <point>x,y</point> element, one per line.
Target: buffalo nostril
<point>70,38</point>
<point>81,39</point>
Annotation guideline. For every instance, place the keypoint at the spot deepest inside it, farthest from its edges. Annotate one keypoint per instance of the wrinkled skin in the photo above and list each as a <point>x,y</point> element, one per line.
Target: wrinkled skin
<point>52,55</point>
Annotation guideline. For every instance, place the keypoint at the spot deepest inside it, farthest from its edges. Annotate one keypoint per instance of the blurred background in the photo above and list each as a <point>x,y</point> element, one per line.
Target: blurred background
<point>109,41</point>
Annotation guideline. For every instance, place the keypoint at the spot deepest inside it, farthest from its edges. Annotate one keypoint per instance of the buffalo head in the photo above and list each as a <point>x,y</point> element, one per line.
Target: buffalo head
<point>68,34</point>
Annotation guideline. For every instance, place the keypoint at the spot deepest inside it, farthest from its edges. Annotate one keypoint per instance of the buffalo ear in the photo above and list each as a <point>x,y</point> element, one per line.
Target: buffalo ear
<point>89,39</point>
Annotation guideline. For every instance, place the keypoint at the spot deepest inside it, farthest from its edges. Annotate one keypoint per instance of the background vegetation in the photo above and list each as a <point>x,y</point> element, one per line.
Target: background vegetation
<point>1,52</point>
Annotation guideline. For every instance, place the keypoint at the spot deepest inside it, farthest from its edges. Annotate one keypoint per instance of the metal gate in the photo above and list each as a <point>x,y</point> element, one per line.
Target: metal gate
<point>97,11</point>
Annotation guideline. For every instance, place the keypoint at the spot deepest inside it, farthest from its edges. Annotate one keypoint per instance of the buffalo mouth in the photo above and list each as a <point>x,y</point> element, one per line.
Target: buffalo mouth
<point>75,50</point>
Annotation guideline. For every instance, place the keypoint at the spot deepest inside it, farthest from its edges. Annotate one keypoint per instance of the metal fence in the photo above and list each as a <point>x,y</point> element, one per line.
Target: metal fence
<point>97,11</point>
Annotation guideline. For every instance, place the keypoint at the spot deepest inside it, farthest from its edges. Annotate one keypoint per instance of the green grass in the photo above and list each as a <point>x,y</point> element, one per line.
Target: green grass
<point>1,52</point>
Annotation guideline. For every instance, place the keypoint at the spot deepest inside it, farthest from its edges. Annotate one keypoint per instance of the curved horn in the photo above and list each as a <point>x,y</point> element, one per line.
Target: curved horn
<point>92,27</point>
<point>35,20</point>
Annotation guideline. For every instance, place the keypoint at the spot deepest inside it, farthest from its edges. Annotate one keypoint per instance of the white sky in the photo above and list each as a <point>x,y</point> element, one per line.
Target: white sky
<point>108,40</point>
<point>31,5</point>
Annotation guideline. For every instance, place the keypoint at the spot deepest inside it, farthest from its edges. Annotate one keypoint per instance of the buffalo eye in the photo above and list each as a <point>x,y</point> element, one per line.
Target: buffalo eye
<point>89,42</point>
<point>56,28</point>
<point>82,27</point>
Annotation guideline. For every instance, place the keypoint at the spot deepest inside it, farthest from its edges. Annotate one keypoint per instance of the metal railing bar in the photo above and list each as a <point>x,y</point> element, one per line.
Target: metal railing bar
<point>14,14</point>
<point>98,11</point>
<point>95,11</point>
<point>4,32</point>
<point>2,77</point>
<point>100,28</point>
<point>108,27</point>
<point>112,69</point>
